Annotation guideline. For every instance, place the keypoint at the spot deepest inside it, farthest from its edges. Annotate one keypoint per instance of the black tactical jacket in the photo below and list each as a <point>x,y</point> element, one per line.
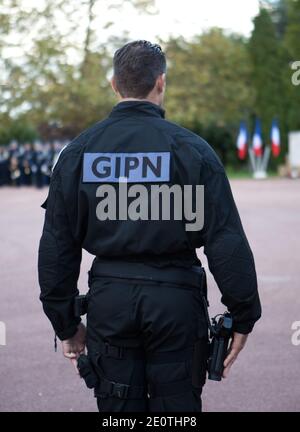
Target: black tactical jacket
<point>71,221</point>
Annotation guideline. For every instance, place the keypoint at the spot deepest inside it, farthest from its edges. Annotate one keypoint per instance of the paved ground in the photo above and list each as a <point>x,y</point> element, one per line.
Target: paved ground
<point>267,376</point>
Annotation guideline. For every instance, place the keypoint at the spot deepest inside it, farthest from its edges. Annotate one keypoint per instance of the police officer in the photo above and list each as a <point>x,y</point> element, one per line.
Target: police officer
<point>4,167</point>
<point>146,328</point>
<point>49,153</point>
<point>38,165</point>
<point>25,164</point>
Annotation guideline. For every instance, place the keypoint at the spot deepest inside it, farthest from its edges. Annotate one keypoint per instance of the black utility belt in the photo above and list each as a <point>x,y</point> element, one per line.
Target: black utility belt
<point>186,277</point>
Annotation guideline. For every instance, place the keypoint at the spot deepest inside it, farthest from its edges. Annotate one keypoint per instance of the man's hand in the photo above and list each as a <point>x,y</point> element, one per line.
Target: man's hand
<point>238,342</point>
<point>73,347</point>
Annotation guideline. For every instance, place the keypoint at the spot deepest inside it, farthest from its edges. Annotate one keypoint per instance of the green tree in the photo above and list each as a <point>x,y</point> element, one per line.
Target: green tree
<point>267,82</point>
<point>209,87</point>
<point>292,54</point>
<point>292,35</point>
<point>62,76</point>
<point>208,79</point>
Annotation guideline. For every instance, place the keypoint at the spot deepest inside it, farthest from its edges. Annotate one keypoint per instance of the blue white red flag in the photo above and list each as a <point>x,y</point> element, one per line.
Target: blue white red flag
<point>257,143</point>
<point>275,138</point>
<point>242,141</point>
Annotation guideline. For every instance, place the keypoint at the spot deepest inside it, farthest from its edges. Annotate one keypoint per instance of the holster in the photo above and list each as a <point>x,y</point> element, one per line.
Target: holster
<point>80,305</point>
<point>87,372</point>
<point>102,386</point>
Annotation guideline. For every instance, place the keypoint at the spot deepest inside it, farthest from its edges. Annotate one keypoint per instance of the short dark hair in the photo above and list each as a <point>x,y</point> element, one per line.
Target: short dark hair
<point>137,66</point>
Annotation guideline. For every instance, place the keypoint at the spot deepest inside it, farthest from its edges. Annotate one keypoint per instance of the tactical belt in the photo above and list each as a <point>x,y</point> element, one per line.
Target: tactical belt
<point>186,278</point>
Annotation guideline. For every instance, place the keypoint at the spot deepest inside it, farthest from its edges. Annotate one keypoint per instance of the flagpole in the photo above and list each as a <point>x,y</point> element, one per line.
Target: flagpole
<point>261,162</point>
<point>261,165</point>
<point>266,159</point>
<point>252,160</point>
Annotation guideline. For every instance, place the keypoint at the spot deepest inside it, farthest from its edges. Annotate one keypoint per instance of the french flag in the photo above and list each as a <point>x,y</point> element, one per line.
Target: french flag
<point>242,141</point>
<point>275,138</point>
<point>257,140</point>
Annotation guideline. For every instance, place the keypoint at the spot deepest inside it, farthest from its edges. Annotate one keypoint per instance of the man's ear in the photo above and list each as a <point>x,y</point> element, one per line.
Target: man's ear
<point>161,83</point>
<point>113,85</point>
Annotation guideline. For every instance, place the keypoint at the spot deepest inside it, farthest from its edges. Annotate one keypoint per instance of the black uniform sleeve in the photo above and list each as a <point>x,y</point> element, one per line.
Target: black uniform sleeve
<point>229,255</point>
<point>58,263</point>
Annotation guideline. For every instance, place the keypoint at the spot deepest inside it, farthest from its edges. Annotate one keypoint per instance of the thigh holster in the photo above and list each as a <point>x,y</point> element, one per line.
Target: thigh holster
<point>91,372</point>
<point>103,387</point>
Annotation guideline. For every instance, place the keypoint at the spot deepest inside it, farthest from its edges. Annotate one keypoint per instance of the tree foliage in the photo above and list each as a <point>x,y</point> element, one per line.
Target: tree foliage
<point>55,65</point>
<point>266,63</point>
<point>62,76</point>
<point>291,43</point>
<point>208,79</point>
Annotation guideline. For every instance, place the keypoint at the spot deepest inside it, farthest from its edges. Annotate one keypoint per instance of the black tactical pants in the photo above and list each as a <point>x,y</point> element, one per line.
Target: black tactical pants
<point>147,339</point>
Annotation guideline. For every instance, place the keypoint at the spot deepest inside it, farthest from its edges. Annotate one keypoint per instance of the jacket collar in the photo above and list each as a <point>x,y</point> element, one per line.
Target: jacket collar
<point>128,108</point>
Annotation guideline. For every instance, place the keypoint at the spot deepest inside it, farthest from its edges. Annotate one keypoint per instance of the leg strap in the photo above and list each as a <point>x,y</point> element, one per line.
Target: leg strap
<point>118,352</point>
<point>106,388</point>
<point>133,353</point>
